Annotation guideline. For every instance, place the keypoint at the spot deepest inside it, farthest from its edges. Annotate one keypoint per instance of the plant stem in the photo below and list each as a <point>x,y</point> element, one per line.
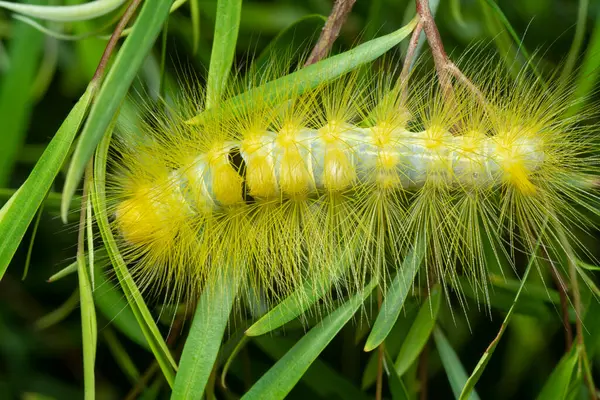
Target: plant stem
<point>114,38</point>
<point>331,30</point>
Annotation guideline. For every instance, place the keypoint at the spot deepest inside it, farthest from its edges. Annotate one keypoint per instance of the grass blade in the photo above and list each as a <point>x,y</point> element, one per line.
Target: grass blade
<point>89,330</point>
<point>557,385</point>
<point>134,297</point>
<point>113,90</point>
<point>483,361</point>
<point>283,376</point>
<point>204,340</point>
<point>79,12</point>
<point>16,100</point>
<point>323,379</point>
<point>456,373</point>
<point>419,333</point>
<point>318,73</point>
<point>18,213</point>
<point>396,295</point>
<point>226,31</point>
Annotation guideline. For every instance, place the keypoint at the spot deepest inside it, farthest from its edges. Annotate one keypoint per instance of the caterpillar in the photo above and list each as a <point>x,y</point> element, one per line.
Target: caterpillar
<point>333,186</point>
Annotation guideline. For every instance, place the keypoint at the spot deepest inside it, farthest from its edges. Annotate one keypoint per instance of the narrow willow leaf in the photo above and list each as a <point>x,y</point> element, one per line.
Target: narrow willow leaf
<point>498,11</point>
<point>66,271</point>
<point>195,17</point>
<point>395,383</point>
<point>295,304</point>
<point>114,306</point>
<point>17,215</point>
<point>223,50</point>
<point>89,331</point>
<point>16,101</point>
<point>318,73</point>
<point>120,355</point>
<point>132,294</point>
<point>288,309</point>
<point>300,36</point>
<point>320,377</point>
<point>587,76</point>
<point>456,373</point>
<point>396,295</point>
<point>204,339</point>
<point>557,385</point>
<point>80,12</point>
<point>114,88</point>
<point>419,332</point>
<point>587,266</point>
<point>582,14</point>
<point>283,376</point>
<point>483,361</point>
<point>59,314</point>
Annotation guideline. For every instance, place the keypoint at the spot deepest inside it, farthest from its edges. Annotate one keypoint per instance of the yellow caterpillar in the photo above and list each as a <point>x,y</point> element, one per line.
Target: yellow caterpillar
<point>333,187</point>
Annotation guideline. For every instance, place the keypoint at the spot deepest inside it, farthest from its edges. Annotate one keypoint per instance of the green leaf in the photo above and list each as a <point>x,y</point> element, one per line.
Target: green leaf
<point>485,358</point>
<point>557,385</point>
<point>132,294</point>
<point>89,330</point>
<point>521,46</point>
<point>395,383</point>
<point>288,309</point>
<point>588,73</point>
<point>16,100</point>
<point>114,88</point>
<point>223,50</point>
<point>111,303</point>
<point>452,365</point>
<point>284,375</point>
<point>577,40</point>
<point>17,214</point>
<point>419,333</point>
<point>295,304</point>
<point>293,37</point>
<point>80,12</point>
<point>316,74</point>
<point>396,295</point>
<point>323,379</point>
<point>204,339</point>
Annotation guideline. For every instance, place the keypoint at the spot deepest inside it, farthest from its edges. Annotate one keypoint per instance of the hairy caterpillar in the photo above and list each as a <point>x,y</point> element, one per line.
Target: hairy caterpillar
<point>334,186</point>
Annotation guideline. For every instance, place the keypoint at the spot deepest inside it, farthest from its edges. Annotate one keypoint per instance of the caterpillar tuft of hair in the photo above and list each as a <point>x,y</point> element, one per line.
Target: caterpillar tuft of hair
<point>334,186</point>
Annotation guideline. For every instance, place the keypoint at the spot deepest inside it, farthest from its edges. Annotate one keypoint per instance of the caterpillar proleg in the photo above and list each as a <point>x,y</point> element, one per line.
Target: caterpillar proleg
<point>350,171</point>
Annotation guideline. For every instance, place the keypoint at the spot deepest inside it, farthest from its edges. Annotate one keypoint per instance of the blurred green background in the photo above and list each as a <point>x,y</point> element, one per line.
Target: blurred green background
<point>42,76</point>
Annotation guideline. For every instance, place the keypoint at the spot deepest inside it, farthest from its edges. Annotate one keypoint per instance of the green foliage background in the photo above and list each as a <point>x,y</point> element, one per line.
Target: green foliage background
<point>41,346</point>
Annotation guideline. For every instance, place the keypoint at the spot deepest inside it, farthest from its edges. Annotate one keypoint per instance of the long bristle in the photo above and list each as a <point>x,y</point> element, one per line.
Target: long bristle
<point>333,187</point>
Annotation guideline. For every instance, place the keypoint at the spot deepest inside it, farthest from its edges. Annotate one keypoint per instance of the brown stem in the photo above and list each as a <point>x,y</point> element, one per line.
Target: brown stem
<point>114,38</point>
<point>440,58</point>
<point>445,68</point>
<point>331,30</point>
<point>408,61</point>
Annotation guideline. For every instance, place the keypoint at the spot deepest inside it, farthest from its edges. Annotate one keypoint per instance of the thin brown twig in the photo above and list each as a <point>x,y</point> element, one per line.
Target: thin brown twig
<point>408,61</point>
<point>114,38</point>
<point>445,68</point>
<point>331,30</point>
<point>440,58</point>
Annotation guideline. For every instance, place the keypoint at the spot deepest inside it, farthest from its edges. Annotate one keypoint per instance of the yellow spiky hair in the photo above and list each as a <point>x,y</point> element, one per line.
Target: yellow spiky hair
<point>334,186</point>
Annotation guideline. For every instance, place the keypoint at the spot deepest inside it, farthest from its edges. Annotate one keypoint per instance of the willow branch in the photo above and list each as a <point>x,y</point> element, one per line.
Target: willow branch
<point>114,38</point>
<point>331,30</point>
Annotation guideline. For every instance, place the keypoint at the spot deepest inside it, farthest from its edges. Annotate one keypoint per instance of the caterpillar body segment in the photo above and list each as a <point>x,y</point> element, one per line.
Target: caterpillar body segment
<point>333,187</point>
